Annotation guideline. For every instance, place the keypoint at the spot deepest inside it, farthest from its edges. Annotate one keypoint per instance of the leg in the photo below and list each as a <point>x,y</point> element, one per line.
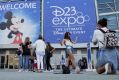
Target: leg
<point>44,62</point>
<point>71,56</point>
<point>107,68</point>
<point>100,70</point>
<point>41,60</point>
<point>67,60</point>
<point>20,62</point>
<point>24,62</point>
<point>50,64</point>
<point>47,62</point>
<point>27,63</point>
<point>10,34</point>
<point>38,61</point>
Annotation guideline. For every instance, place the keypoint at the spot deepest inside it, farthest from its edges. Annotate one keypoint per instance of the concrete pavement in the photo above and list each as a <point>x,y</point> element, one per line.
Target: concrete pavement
<point>14,75</point>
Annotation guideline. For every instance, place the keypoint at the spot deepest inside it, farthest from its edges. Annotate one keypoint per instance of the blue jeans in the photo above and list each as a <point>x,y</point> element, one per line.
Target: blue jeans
<point>20,62</point>
<point>25,61</point>
<point>106,55</point>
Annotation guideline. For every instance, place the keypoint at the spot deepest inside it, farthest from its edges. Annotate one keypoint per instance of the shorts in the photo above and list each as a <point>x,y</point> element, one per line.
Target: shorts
<point>69,48</point>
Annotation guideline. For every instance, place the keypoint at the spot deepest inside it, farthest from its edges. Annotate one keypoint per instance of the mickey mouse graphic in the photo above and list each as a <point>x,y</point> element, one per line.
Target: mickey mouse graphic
<point>13,24</point>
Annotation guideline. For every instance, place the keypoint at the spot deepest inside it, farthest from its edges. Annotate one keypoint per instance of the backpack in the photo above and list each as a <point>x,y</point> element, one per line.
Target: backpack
<point>65,69</point>
<point>110,39</point>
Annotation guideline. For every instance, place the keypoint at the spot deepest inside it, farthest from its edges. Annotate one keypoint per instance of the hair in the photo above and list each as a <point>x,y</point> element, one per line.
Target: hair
<point>40,37</point>
<point>103,22</point>
<point>66,36</point>
<point>27,39</point>
<point>49,45</point>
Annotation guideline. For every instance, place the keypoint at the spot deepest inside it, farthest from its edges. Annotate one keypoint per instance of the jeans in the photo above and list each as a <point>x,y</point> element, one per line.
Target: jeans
<point>44,62</point>
<point>20,62</point>
<point>108,55</point>
<point>26,62</point>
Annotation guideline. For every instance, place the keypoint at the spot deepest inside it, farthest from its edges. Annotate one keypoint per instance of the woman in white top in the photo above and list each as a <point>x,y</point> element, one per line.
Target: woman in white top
<point>107,60</point>
<point>40,47</point>
<point>69,49</point>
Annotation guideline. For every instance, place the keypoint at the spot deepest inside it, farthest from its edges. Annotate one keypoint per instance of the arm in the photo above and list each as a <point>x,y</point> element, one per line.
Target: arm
<point>94,39</point>
<point>20,48</point>
<point>44,45</point>
<point>31,49</point>
<point>62,42</point>
<point>52,50</point>
<point>74,42</point>
<point>29,45</point>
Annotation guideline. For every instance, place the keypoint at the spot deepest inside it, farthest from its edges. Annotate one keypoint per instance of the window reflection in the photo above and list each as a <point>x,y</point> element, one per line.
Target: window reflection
<point>112,21</point>
<point>109,9</point>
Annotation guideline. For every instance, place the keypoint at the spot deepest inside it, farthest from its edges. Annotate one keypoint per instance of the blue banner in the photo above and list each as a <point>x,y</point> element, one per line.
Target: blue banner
<point>19,20</point>
<point>75,16</point>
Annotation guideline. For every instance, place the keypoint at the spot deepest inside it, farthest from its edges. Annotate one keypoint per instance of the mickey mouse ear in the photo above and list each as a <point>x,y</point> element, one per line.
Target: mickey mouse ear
<point>8,15</point>
<point>3,26</point>
<point>22,20</point>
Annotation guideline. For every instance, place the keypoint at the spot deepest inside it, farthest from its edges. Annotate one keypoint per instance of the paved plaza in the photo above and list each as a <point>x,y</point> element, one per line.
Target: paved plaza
<point>14,75</point>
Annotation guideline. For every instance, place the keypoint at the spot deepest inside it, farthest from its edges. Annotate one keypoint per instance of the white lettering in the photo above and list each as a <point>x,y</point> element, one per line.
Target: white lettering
<point>55,21</point>
<point>68,17</point>
<point>18,6</point>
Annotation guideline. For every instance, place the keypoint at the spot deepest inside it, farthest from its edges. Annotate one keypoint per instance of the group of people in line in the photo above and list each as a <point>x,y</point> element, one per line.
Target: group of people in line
<point>35,55</point>
<point>107,61</point>
<point>43,51</point>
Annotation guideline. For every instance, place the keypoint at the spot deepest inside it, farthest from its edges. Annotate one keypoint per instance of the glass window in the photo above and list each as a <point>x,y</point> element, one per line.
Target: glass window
<point>106,7</point>
<point>109,7</point>
<point>105,10</point>
<point>103,1</point>
<point>117,35</point>
<point>117,5</point>
<point>112,21</point>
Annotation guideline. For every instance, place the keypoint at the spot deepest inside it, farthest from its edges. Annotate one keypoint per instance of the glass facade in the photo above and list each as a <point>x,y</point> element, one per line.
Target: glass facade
<point>109,9</point>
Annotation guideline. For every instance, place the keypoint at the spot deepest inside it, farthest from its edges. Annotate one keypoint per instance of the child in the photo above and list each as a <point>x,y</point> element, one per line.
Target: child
<point>35,65</point>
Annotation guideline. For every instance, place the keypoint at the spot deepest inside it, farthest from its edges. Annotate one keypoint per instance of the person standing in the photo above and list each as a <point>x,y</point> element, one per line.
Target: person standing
<point>107,61</point>
<point>19,53</point>
<point>49,52</point>
<point>69,49</point>
<point>26,47</point>
<point>40,47</point>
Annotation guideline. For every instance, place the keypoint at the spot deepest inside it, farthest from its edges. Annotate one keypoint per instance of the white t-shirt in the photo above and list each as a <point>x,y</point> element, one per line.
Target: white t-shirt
<point>99,36</point>
<point>40,46</point>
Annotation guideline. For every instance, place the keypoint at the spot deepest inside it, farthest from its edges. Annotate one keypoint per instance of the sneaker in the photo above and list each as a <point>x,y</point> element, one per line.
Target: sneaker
<point>108,69</point>
<point>39,71</point>
<point>46,71</point>
<point>51,71</point>
<point>19,70</point>
<point>77,70</point>
<point>26,70</point>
